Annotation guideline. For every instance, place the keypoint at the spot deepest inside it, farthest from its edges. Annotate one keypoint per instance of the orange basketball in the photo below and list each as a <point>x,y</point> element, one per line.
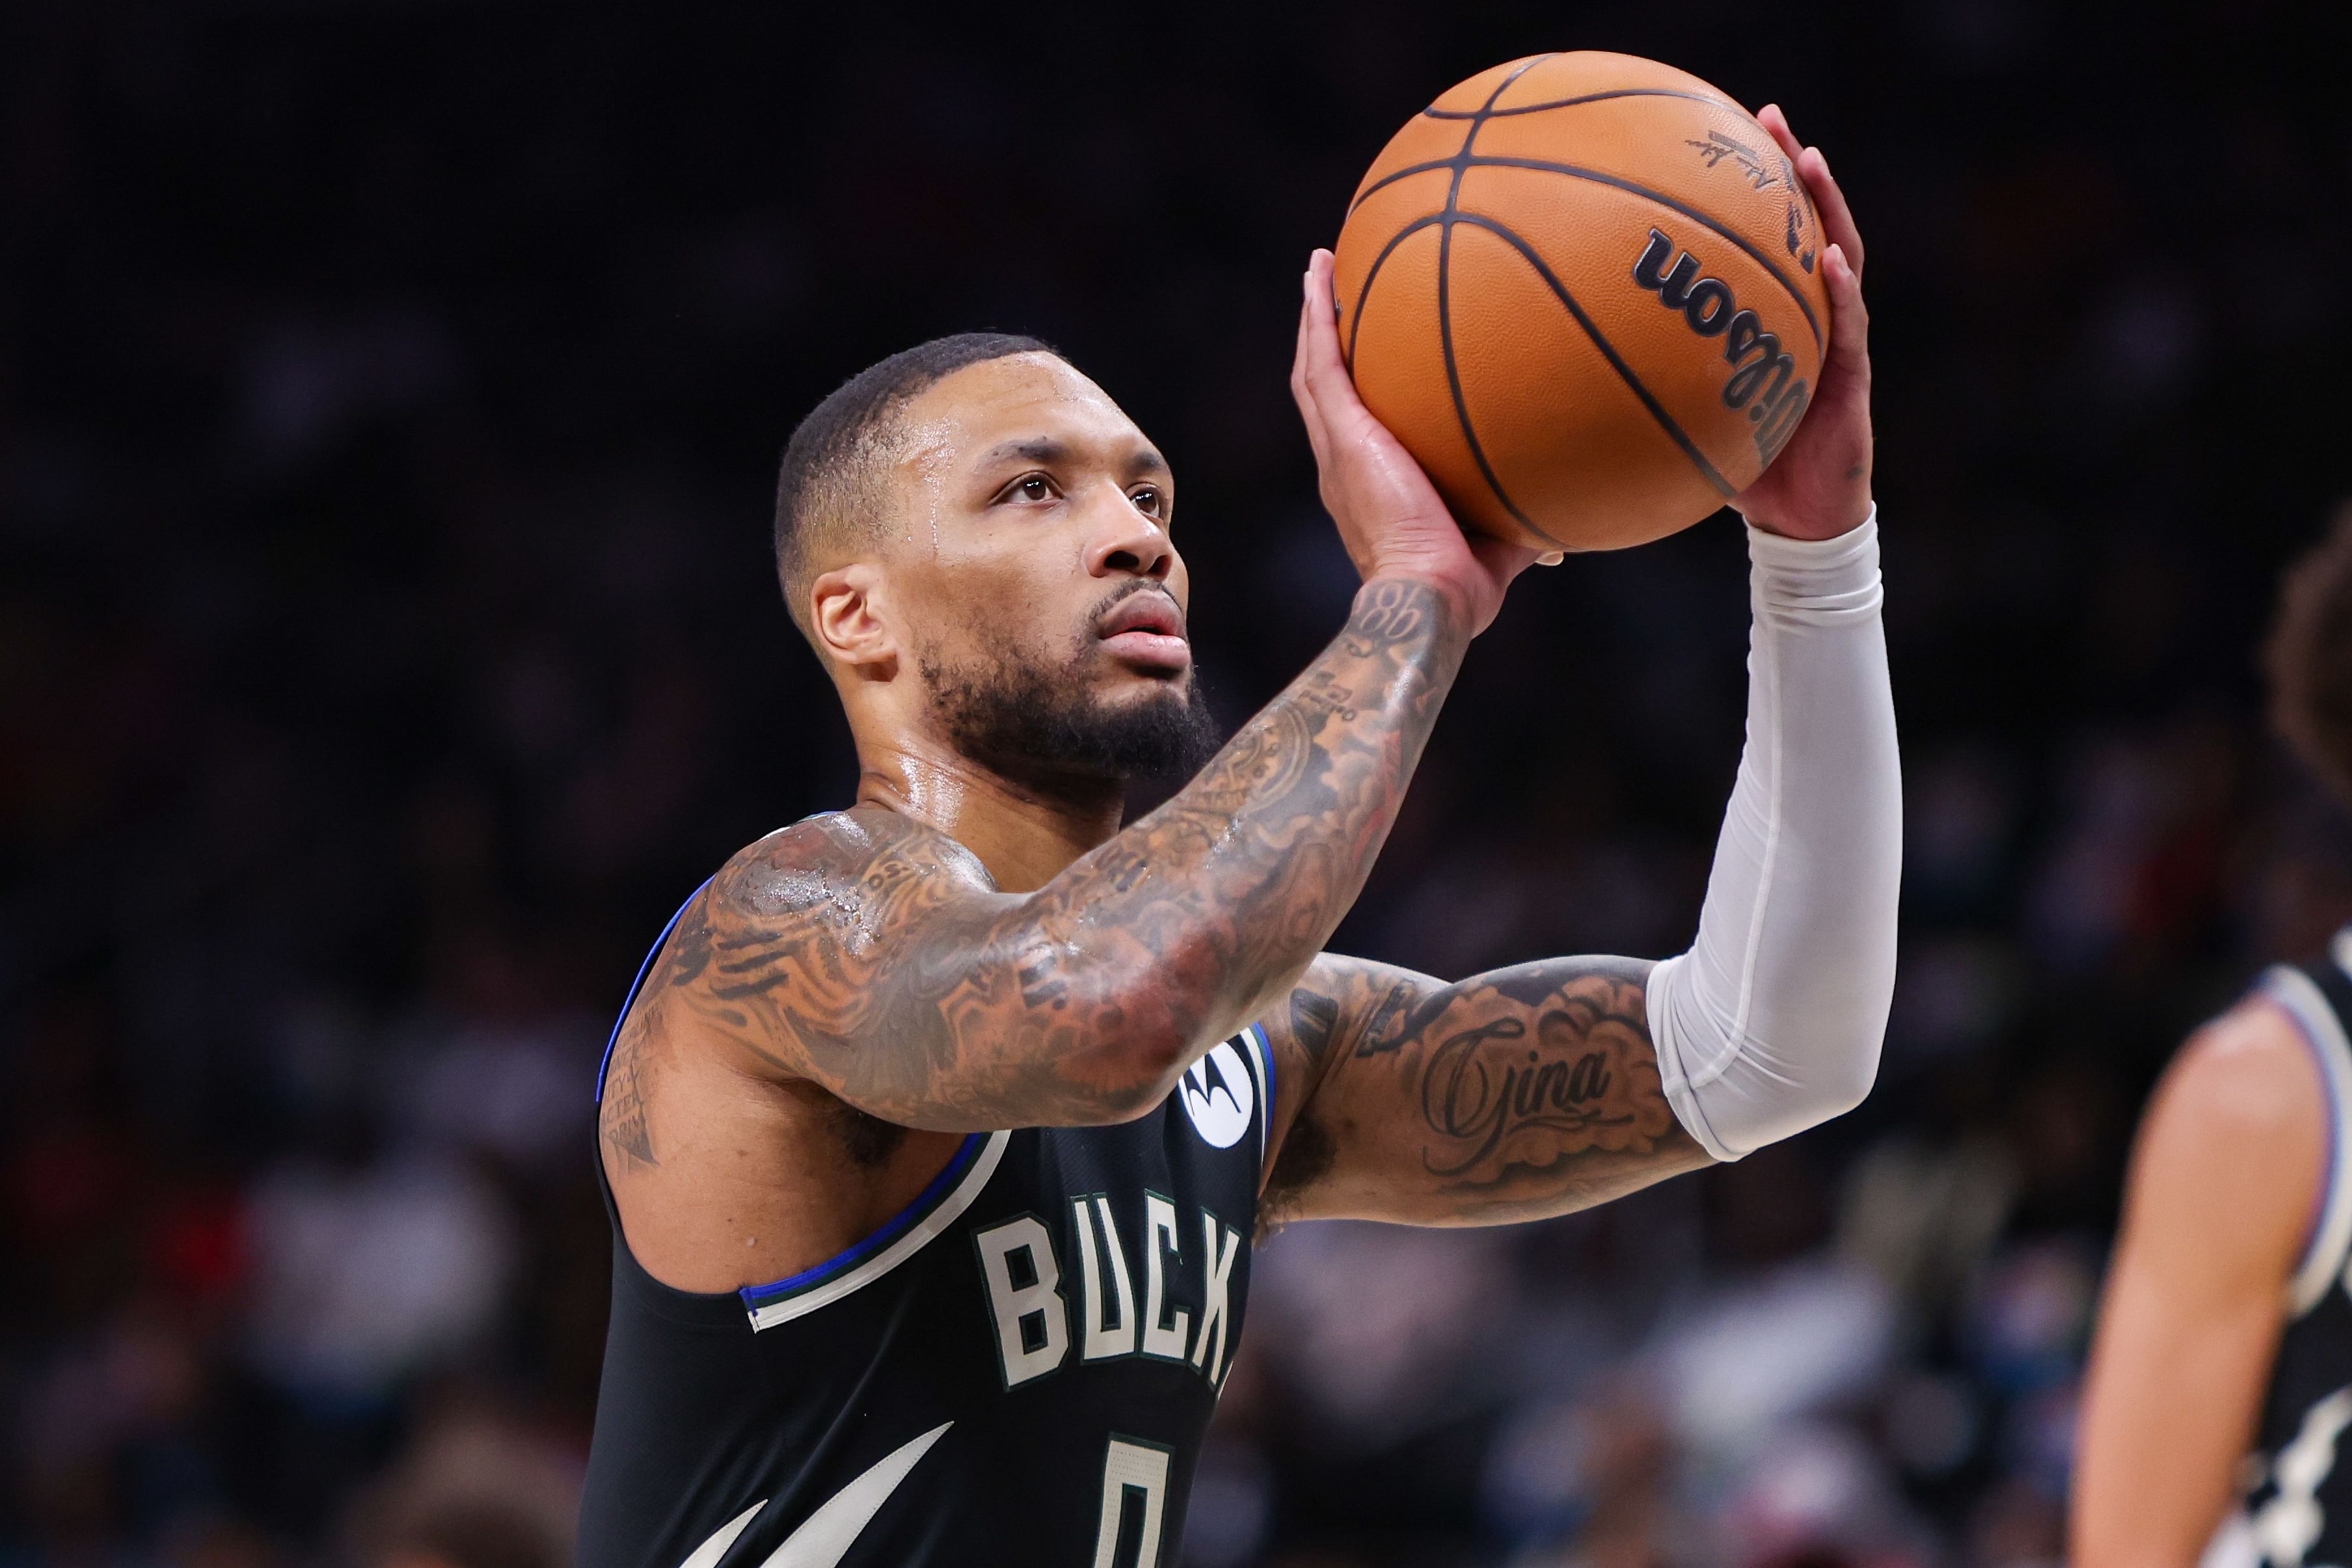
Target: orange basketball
<point>1585,292</point>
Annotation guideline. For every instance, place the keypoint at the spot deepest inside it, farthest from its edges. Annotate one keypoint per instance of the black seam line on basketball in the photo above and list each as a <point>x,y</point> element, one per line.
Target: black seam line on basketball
<point>1460,413</point>
<point>1462,161</point>
<point>1419,224</point>
<point>1364,294</point>
<point>1445,330</point>
<point>1453,381</point>
<point>1608,350</point>
<point>1575,173</point>
<point>1433,113</point>
<point>1504,85</point>
<point>1446,308</point>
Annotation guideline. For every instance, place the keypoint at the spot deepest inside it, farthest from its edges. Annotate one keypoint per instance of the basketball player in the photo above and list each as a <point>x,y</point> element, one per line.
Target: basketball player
<point>2220,1383</point>
<point>938,1130</point>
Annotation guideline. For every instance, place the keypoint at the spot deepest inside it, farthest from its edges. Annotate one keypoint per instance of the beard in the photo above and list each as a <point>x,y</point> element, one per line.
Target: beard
<point>1037,720</point>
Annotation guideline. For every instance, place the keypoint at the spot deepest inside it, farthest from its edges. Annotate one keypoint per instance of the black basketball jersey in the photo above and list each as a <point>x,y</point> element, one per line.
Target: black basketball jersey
<point>1016,1370</point>
<point>2298,1506</point>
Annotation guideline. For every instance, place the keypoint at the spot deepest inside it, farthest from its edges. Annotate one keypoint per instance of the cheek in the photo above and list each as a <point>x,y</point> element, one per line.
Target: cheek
<point>1009,553</point>
<point>1032,591</point>
<point>966,583</point>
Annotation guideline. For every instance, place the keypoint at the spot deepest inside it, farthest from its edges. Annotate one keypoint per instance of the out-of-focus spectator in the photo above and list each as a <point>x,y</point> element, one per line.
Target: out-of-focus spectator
<point>365,1274</point>
<point>475,1490</point>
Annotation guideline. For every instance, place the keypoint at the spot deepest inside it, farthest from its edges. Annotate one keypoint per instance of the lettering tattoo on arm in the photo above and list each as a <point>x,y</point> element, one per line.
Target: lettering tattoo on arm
<point>870,955</point>
<point>1518,1094</point>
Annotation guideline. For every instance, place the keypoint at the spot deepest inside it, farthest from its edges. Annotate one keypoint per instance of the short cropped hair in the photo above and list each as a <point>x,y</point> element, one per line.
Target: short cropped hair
<point>827,490</point>
<point>2309,659</point>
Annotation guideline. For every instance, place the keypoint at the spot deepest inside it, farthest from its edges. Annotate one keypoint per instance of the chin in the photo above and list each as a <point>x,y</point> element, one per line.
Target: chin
<point>1135,692</point>
<point>1096,718</point>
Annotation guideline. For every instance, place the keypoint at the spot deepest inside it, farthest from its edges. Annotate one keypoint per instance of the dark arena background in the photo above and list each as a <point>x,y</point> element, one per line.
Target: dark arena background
<point>390,393</point>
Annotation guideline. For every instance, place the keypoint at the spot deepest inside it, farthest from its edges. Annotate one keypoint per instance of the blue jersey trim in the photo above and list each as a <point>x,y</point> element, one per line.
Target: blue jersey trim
<point>757,1296</point>
<point>639,983</point>
<point>1265,1049</point>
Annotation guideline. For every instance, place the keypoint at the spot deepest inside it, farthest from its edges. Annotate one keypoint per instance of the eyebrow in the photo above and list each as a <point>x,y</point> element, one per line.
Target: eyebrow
<point>1046,450</point>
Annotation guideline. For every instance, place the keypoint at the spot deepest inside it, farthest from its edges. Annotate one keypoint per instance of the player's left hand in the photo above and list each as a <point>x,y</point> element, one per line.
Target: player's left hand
<point>1818,487</point>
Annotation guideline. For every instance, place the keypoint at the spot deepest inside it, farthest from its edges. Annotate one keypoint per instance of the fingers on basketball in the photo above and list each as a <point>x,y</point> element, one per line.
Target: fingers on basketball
<point>1584,290</point>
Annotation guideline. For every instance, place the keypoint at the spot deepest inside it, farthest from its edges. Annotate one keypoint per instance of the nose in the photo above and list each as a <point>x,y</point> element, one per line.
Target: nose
<point>1127,543</point>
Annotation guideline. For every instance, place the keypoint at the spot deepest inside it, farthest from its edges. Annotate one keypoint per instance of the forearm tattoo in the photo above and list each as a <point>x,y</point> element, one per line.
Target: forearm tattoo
<point>1529,1091</point>
<point>870,955</point>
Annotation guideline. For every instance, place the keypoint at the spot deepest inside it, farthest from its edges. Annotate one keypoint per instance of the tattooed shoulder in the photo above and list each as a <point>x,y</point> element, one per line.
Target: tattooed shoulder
<point>837,861</point>
<point>774,950</point>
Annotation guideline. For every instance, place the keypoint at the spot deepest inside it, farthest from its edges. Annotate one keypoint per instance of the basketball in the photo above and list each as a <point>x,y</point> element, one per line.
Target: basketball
<point>1585,292</point>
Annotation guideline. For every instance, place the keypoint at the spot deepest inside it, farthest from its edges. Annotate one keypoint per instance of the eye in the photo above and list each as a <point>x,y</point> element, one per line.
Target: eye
<point>1028,488</point>
<point>1149,501</point>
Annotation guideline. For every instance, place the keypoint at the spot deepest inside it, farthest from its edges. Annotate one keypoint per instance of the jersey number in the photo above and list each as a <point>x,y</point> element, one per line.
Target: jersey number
<point>1138,1470</point>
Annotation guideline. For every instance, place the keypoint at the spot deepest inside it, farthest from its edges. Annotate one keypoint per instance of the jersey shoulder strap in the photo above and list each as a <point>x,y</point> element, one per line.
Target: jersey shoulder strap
<point>2318,997</point>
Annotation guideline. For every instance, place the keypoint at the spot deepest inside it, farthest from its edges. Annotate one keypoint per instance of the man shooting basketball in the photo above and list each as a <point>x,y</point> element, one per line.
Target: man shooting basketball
<point>938,1130</point>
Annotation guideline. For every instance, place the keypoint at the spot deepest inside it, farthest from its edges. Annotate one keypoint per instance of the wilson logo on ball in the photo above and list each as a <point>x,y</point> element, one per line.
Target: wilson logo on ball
<point>1764,379</point>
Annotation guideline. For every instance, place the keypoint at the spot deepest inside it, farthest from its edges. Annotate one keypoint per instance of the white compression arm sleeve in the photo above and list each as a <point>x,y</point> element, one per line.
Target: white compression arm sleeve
<point>1772,1021</point>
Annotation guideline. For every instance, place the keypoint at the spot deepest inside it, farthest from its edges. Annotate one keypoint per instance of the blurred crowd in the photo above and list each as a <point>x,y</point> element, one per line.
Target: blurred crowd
<point>389,393</point>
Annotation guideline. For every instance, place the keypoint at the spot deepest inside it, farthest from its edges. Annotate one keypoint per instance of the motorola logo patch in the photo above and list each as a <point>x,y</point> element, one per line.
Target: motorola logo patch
<point>1219,1096</point>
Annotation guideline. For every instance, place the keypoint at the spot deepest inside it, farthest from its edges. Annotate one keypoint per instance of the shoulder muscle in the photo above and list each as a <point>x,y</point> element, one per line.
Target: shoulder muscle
<point>781,957</point>
<point>2230,1156</point>
<point>2222,1190</point>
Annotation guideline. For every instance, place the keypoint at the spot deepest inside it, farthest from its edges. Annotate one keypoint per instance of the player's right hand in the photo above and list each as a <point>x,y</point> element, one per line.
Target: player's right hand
<point>1390,516</point>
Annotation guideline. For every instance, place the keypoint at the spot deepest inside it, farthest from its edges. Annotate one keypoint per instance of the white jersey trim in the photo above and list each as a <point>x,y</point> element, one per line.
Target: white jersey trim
<point>2331,1238</point>
<point>708,1554</point>
<point>824,1538</point>
<point>950,1209</point>
<point>1261,1062</point>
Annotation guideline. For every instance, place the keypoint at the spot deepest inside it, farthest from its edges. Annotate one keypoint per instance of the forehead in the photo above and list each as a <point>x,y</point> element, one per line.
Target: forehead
<point>962,418</point>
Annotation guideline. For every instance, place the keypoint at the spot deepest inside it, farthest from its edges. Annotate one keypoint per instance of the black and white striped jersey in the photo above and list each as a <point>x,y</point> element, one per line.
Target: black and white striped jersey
<point>2297,1509</point>
<point>1017,1369</point>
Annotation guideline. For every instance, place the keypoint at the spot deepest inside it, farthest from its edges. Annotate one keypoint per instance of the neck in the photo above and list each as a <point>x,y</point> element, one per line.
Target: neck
<point>1025,831</point>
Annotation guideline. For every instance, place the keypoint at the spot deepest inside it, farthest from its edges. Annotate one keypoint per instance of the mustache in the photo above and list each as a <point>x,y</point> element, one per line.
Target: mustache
<point>1121,595</point>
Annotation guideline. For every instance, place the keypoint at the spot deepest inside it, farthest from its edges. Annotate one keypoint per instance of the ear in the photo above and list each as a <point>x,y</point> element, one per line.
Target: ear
<point>849,618</point>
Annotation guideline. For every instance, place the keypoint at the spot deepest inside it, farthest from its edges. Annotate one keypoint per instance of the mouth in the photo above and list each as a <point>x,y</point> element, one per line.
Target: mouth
<point>1147,630</point>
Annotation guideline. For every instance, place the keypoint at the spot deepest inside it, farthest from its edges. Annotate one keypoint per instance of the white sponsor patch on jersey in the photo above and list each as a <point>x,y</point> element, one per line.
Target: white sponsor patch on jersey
<point>1219,1096</point>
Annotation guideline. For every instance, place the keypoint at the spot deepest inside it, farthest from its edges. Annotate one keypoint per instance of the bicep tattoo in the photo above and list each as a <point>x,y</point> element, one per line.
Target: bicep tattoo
<point>1528,1091</point>
<point>1513,1088</point>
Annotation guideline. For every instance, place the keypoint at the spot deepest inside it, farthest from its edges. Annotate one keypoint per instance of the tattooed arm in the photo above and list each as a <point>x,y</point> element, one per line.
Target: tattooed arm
<point>869,955</point>
<point>1524,1093</point>
<point>1550,1086</point>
